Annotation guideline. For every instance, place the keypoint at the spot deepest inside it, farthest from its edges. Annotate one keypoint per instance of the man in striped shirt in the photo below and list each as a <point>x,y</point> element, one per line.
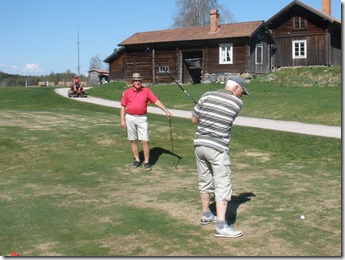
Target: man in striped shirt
<point>215,113</point>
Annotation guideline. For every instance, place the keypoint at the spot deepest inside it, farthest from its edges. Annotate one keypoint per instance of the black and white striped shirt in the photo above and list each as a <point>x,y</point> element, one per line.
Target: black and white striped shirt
<point>216,111</point>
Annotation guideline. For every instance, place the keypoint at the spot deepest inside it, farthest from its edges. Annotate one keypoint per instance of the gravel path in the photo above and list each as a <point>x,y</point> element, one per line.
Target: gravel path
<point>279,125</point>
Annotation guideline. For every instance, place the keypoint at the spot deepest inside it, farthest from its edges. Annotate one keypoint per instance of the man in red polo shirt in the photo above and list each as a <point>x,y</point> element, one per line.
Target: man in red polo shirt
<point>133,117</point>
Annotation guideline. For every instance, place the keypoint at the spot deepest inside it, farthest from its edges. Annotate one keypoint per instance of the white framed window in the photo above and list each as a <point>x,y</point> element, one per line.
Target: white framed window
<point>259,54</point>
<point>299,49</point>
<point>225,53</point>
<point>163,69</point>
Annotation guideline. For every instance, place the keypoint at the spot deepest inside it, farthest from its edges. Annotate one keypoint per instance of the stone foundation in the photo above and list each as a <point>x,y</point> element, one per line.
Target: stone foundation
<point>223,77</point>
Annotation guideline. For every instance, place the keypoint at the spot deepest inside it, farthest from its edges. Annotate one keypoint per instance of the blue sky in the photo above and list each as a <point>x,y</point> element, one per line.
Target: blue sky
<point>40,36</point>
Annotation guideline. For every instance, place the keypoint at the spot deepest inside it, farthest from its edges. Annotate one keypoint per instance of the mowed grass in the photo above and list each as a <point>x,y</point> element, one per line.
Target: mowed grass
<point>308,95</point>
<point>67,188</point>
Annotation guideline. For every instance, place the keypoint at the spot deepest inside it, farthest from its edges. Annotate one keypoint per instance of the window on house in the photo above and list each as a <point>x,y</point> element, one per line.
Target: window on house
<point>299,23</point>
<point>299,49</point>
<point>225,53</point>
<point>163,69</point>
<point>258,54</point>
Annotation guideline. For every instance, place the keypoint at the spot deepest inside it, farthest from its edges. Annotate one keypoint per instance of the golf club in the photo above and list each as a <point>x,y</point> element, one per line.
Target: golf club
<point>148,51</point>
<point>172,144</point>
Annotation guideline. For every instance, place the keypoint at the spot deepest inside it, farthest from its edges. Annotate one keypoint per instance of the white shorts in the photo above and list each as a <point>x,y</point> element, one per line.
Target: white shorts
<point>137,127</point>
<point>214,172</point>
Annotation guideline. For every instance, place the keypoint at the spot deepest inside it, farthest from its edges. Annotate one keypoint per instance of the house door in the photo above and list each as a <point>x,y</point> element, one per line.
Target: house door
<point>192,67</point>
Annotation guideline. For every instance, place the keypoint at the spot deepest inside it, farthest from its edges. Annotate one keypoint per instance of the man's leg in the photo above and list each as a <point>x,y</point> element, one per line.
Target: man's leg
<point>205,186</point>
<point>222,173</point>
<point>135,151</point>
<point>205,201</point>
<point>221,207</point>
<point>146,150</point>
<point>207,216</point>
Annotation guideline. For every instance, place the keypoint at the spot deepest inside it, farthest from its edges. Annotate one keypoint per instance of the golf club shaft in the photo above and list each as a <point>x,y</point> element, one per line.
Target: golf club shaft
<point>171,137</point>
<point>148,51</point>
<point>172,144</point>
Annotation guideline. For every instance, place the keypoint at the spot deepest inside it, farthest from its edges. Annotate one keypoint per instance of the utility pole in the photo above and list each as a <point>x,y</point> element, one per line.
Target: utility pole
<point>78,54</point>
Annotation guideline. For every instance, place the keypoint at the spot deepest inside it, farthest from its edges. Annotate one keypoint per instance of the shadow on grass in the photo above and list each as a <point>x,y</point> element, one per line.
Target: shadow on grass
<point>236,201</point>
<point>156,152</point>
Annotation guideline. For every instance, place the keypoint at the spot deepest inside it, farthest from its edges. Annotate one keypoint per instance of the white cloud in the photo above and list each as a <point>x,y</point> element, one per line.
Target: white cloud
<point>32,68</point>
<point>28,69</point>
<point>8,68</point>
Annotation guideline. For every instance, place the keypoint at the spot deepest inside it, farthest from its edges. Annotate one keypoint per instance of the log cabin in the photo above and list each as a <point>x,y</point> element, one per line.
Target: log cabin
<point>298,35</point>
<point>193,55</point>
<point>305,36</point>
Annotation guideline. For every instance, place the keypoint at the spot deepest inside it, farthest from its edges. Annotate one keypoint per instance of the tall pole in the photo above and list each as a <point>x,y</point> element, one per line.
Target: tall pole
<point>78,54</point>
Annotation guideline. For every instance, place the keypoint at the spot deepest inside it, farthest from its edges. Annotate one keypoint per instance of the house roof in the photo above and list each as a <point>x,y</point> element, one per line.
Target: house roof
<point>322,14</point>
<point>117,52</point>
<point>231,30</point>
<point>101,72</point>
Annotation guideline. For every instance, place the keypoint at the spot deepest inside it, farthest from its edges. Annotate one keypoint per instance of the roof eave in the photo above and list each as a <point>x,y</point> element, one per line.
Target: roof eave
<point>270,34</point>
<point>113,55</point>
<point>309,8</point>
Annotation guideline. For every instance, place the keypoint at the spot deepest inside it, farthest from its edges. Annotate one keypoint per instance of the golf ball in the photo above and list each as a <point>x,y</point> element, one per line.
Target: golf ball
<point>302,217</point>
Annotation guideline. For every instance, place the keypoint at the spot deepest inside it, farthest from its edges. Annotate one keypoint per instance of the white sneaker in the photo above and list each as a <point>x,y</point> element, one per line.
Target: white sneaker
<point>227,231</point>
<point>205,221</point>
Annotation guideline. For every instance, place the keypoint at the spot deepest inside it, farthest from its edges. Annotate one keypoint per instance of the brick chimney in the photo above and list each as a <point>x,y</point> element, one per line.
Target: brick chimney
<point>214,16</point>
<point>327,6</point>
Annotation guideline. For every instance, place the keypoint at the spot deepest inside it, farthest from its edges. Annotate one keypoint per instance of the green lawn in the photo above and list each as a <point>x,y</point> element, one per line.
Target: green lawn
<point>67,188</point>
<point>310,95</point>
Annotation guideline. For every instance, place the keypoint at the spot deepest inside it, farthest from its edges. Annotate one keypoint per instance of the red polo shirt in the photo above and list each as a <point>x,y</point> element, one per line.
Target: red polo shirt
<point>136,101</point>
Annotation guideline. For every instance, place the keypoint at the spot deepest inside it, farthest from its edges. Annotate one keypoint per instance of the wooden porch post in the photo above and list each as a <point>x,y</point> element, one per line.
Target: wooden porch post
<point>180,54</point>
<point>153,67</point>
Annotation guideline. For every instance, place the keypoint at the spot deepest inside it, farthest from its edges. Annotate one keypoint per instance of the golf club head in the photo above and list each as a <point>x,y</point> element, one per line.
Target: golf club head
<point>148,50</point>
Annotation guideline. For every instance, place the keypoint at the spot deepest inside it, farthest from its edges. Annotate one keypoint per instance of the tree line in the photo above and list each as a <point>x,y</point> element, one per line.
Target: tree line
<point>15,80</point>
<point>189,13</point>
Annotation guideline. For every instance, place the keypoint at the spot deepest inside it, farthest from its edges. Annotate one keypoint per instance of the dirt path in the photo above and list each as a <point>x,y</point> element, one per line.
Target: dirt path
<point>279,125</point>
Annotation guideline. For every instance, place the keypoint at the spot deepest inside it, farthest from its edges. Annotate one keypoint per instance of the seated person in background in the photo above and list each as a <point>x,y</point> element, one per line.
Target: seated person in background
<point>80,88</point>
<point>76,84</point>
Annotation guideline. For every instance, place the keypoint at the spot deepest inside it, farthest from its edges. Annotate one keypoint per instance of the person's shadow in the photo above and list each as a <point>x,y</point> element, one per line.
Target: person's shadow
<point>156,152</point>
<point>235,202</point>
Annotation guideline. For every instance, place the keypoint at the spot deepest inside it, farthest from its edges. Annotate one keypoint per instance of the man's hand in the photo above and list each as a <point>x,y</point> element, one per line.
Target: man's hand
<point>195,120</point>
<point>169,115</point>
